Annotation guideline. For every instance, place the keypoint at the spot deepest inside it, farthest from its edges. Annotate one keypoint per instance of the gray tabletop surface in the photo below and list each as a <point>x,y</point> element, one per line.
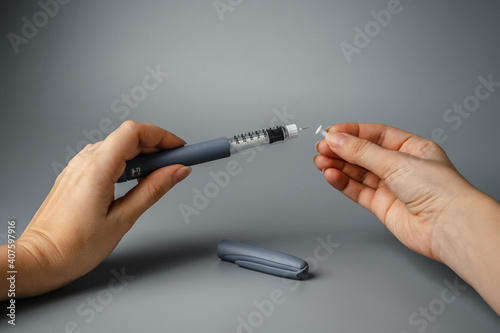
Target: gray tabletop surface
<point>208,69</point>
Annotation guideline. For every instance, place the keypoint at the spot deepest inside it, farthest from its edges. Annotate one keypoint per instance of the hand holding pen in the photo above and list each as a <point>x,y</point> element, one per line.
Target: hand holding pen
<point>80,222</point>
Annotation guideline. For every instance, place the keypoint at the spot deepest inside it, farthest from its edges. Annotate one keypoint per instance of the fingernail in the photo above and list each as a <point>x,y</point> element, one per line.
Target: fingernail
<point>314,158</point>
<point>181,174</point>
<point>316,145</point>
<point>184,141</point>
<point>336,139</point>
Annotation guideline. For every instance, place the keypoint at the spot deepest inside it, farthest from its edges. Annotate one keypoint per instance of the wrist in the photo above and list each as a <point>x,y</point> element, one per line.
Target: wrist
<point>461,226</point>
<point>470,244</point>
<point>18,277</point>
<point>36,274</point>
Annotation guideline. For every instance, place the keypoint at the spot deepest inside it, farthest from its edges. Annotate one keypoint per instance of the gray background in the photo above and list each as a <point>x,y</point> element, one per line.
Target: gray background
<point>227,77</point>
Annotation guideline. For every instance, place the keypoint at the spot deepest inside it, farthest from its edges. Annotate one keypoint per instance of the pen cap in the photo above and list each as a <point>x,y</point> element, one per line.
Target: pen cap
<point>263,260</point>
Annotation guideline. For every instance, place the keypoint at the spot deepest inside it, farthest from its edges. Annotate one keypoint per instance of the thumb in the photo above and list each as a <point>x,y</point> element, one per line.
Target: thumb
<point>148,191</point>
<point>384,163</point>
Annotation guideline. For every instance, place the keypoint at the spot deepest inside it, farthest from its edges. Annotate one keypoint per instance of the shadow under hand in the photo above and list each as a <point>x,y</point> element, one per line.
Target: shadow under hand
<point>146,260</point>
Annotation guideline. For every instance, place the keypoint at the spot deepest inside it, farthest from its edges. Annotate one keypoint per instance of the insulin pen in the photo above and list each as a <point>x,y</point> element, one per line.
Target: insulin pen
<point>207,151</point>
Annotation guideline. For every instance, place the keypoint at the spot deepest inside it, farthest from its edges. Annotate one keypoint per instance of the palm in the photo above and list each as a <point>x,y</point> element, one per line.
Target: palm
<point>412,230</point>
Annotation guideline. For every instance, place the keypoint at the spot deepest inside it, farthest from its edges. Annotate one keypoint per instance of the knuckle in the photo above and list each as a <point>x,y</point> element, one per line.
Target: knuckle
<point>156,190</point>
<point>399,171</point>
<point>395,172</point>
<point>359,148</point>
<point>61,176</point>
<point>76,161</point>
<point>82,161</point>
<point>422,147</point>
<point>88,146</point>
<point>364,176</point>
<point>427,147</point>
<point>129,125</point>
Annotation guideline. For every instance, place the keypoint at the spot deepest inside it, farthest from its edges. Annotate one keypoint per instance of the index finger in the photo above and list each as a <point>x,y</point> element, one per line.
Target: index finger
<point>128,140</point>
<point>383,135</point>
<point>393,138</point>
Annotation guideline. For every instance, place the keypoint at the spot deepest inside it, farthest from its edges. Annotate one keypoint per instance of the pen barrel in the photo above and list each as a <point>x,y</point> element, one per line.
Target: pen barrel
<point>197,153</point>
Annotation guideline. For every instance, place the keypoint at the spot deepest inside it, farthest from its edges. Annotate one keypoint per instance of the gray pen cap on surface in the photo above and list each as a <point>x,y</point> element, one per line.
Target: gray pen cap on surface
<point>263,260</point>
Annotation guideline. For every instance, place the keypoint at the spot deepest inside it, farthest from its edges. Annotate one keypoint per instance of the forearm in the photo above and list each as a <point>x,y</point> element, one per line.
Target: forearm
<point>474,247</point>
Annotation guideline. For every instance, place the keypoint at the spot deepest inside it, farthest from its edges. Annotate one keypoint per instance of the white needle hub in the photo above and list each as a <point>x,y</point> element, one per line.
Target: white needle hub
<point>321,131</point>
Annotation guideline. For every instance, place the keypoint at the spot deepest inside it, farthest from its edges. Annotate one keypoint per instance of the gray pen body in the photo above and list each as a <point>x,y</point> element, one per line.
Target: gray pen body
<point>197,153</point>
